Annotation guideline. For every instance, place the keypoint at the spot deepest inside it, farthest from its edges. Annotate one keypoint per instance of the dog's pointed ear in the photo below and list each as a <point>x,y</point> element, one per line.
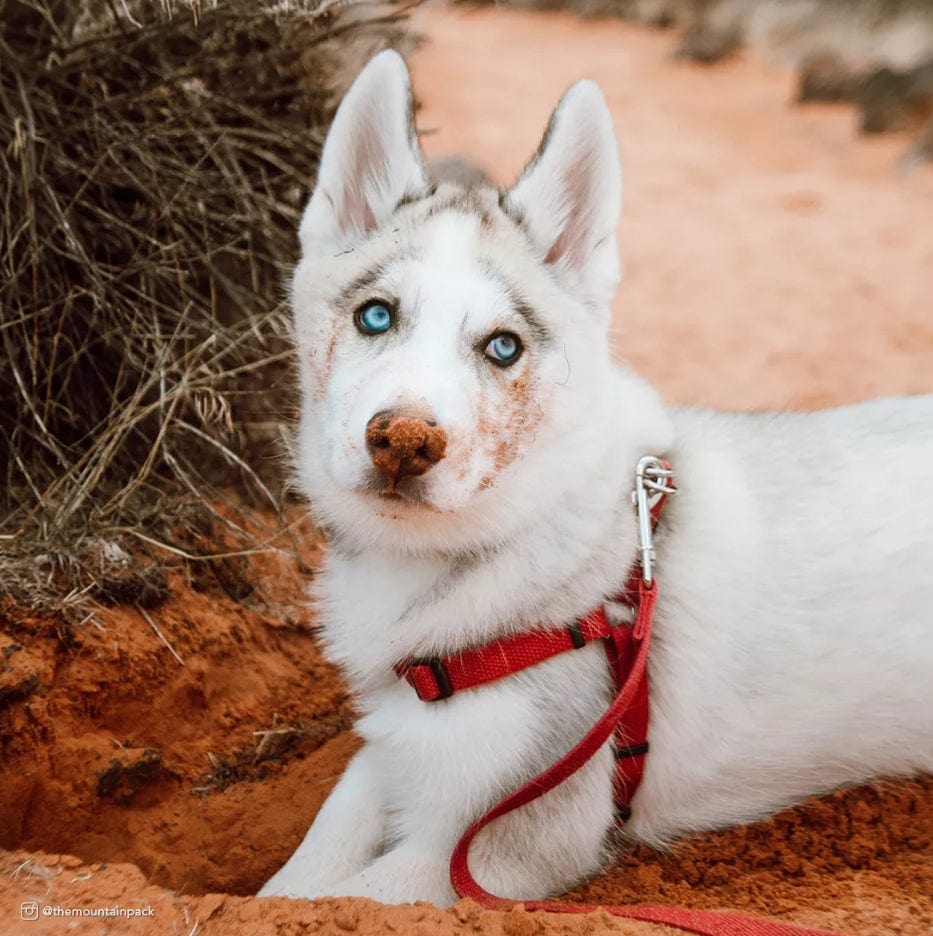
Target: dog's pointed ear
<point>569,196</point>
<point>371,158</point>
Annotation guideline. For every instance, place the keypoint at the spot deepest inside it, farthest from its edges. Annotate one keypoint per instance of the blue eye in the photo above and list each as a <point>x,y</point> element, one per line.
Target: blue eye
<point>373,318</point>
<point>503,349</point>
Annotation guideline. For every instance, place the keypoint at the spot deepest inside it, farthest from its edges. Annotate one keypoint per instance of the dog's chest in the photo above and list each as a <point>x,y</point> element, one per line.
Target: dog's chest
<point>433,755</point>
<point>369,605</point>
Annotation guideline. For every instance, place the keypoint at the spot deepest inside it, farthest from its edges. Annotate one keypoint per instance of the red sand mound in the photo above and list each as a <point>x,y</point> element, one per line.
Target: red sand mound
<point>151,773</point>
<point>773,260</point>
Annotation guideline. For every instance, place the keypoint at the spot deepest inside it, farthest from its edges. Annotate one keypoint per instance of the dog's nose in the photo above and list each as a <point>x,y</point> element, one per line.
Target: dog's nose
<point>402,446</point>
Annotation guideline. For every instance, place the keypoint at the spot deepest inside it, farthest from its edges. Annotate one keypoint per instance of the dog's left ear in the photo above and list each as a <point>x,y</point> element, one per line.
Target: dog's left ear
<point>569,196</point>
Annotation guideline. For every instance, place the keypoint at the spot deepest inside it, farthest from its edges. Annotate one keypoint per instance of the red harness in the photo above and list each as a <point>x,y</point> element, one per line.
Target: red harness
<point>438,678</point>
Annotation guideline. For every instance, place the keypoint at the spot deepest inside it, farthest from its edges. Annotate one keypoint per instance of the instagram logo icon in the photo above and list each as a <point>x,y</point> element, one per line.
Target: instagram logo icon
<point>29,910</point>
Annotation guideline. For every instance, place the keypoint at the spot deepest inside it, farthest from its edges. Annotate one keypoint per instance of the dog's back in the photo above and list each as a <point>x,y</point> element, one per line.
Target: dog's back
<point>795,621</point>
<point>455,170</point>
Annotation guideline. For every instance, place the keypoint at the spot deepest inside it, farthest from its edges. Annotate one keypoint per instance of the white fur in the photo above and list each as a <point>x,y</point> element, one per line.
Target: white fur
<point>370,159</point>
<point>793,633</point>
<point>571,192</point>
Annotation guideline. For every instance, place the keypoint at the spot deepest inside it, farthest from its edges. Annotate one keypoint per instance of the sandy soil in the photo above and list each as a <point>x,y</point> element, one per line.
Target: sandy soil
<point>773,259</point>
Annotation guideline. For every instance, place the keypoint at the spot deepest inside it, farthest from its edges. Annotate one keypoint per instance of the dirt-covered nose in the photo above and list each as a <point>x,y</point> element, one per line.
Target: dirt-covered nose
<point>403,446</point>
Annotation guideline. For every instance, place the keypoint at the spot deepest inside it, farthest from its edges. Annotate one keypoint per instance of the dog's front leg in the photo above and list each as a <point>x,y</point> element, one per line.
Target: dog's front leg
<point>544,848</point>
<point>346,835</point>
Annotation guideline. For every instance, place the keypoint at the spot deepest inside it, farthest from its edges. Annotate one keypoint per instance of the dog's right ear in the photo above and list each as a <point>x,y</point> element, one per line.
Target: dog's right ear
<point>570,194</point>
<point>371,158</point>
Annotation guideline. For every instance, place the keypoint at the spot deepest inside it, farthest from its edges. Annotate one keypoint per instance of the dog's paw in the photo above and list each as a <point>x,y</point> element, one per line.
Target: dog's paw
<point>297,886</point>
<point>392,879</point>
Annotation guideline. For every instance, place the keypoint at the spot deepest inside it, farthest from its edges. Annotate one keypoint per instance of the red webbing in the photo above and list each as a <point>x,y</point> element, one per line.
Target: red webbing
<point>486,664</point>
<point>702,922</point>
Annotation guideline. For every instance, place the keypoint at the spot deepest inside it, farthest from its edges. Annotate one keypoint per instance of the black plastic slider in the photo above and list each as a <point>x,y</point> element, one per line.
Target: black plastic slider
<point>576,635</point>
<point>623,813</point>
<point>445,688</point>
<point>631,750</point>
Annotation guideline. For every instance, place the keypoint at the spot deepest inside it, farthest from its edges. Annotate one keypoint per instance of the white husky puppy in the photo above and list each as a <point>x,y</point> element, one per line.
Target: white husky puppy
<point>469,445</point>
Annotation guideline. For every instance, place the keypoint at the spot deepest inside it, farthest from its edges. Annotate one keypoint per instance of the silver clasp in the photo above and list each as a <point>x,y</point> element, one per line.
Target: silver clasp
<point>652,482</point>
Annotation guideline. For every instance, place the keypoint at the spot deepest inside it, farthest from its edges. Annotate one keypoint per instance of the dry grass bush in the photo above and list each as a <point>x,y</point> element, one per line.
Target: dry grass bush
<point>154,155</point>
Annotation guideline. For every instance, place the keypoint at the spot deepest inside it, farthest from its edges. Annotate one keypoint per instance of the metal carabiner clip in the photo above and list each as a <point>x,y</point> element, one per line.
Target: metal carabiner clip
<point>651,482</point>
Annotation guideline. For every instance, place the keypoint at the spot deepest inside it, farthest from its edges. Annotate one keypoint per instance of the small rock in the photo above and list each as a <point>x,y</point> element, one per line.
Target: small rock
<point>896,100</point>
<point>707,43</point>
<point>347,918</point>
<point>824,76</point>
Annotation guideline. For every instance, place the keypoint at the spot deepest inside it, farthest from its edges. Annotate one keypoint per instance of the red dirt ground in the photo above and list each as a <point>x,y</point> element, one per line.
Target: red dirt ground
<point>773,260</point>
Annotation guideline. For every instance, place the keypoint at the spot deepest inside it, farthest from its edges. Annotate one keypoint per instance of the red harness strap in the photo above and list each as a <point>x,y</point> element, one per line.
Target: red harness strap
<point>439,678</point>
<point>435,679</point>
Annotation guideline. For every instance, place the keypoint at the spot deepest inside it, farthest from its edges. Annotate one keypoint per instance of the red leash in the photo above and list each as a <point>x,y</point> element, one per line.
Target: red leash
<point>702,922</point>
<point>627,646</point>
